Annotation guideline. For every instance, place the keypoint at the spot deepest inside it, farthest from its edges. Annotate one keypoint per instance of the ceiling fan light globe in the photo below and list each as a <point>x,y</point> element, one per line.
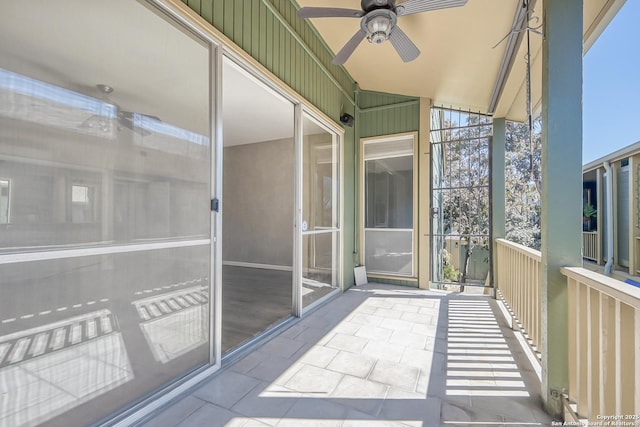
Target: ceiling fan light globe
<point>378,38</point>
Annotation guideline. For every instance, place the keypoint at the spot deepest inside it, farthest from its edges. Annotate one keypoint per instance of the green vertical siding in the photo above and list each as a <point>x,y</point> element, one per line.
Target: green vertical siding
<point>385,114</point>
<point>291,48</point>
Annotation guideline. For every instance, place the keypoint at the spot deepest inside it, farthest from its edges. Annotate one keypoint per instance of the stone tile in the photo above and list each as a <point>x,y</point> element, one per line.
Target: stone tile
<point>363,395</point>
<point>347,343</point>
<point>327,372</point>
<point>387,313</point>
<point>426,302</point>
<point>274,369</point>
<point>429,311</point>
<point>416,358</point>
<point>397,324</point>
<point>311,412</point>
<point>256,423</point>
<point>418,318</point>
<point>212,416</point>
<point>226,389</point>
<point>347,328</point>
<point>248,362</point>
<point>376,423</point>
<point>407,308</point>
<point>396,375</point>
<point>310,379</point>
<point>264,405</point>
<point>408,339</point>
<point>319,356</point>
<point>425,411</point>
<point>379,302</point>
<point>176,413</point>
<point>366,309</point>
<point>519,408</point>
<point>293,331</point>
<point>366,319</point>
<point>383,350</point>
<point>374,333</point>
<point>399,393</point>
<point>281,347</point>
<point>352,364</point>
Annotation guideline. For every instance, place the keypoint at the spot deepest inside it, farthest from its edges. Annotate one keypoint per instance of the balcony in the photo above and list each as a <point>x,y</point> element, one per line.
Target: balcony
<point>394,356</point>
<point>378,355</point>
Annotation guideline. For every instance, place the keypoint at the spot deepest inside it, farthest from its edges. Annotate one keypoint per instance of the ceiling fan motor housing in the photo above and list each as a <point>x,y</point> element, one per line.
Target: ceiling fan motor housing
<point>369,5</point>
<point>378,25</point>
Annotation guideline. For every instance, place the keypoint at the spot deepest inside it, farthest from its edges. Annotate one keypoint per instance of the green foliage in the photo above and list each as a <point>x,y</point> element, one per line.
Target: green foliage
<point>589,211</point>
<point>451,274</point>
<point>523,183</point>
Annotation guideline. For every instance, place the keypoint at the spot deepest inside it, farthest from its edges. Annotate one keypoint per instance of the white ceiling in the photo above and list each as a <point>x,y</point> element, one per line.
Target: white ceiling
<point>251,111</point>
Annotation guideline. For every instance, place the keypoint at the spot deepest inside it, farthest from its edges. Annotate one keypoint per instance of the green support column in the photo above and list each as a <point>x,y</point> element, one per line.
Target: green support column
<point>561,184</point>
<point>498,228</point>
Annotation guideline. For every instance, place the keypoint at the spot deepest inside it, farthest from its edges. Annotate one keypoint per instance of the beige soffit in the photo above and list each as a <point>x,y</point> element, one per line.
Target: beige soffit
<point>458,65</point>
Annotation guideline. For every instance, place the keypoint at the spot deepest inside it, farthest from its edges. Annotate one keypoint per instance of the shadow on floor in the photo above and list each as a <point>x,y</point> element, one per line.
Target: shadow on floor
<point>376,356</point>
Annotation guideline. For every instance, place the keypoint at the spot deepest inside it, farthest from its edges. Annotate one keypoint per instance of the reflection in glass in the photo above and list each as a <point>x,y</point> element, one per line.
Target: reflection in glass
<point>104,196</point>
<point>319,265</point>
<point>100,326</point>
<point>320,211</point>
<point>5,201</point>
<point>388,205</point>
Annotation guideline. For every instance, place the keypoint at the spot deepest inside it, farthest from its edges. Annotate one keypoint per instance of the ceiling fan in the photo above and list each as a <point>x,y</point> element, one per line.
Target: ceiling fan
<point>379,23</point>
<point>124,119</point>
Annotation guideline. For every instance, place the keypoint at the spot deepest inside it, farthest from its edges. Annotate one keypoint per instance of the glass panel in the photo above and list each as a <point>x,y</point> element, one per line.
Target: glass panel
<point>258,206</point>
<point>320,211</point>
<point>319,265</point>
<point>104,147</point>
<point>388,205</point>
<point>320,179</point>
<point>389,251</point>
<point>96,333</point>
<point>4,202</point>
<point>98,148</point>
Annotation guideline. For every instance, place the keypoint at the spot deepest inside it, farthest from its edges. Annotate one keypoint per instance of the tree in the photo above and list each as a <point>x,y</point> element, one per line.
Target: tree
<point>523,183</point>
<point>465,198</point>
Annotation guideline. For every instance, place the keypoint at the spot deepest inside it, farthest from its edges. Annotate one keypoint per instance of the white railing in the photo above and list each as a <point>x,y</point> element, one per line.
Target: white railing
<point>590,246</point>
<point>518,283</point>
<point>604,346</point>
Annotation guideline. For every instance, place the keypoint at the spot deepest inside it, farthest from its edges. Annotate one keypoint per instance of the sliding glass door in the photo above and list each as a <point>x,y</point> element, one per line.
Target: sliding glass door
<point>105,170</point>
<point>320,226</point>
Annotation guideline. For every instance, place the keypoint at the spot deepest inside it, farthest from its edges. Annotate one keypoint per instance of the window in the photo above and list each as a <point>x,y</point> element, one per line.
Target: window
<point>81,204</point>
<point>389,186</point>
<point>4,201</point>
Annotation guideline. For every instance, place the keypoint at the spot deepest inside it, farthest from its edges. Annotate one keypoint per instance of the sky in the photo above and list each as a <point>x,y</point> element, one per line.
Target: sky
<point>611,91</point>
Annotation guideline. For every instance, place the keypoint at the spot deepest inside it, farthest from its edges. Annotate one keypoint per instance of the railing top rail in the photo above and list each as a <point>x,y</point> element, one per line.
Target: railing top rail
<point>590,232</point>
<point>624,292</point>
<point>537,255</point>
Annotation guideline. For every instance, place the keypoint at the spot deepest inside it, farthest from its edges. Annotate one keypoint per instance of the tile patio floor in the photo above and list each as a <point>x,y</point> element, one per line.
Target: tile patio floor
<point>376,356</point>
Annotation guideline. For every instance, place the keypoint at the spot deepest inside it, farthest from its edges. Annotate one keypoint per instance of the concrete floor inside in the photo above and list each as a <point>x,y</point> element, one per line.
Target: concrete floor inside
<point>376,356</point>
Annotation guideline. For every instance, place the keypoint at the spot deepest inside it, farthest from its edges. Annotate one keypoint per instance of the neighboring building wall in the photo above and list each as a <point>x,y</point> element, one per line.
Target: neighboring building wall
<point>626,207</point>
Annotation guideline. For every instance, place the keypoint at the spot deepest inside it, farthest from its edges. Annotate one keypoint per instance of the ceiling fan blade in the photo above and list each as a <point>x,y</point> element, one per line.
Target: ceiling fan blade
<point>403,45</point>
<point>416,6</point>
<point>349,47</point>
<point>329,12</point>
